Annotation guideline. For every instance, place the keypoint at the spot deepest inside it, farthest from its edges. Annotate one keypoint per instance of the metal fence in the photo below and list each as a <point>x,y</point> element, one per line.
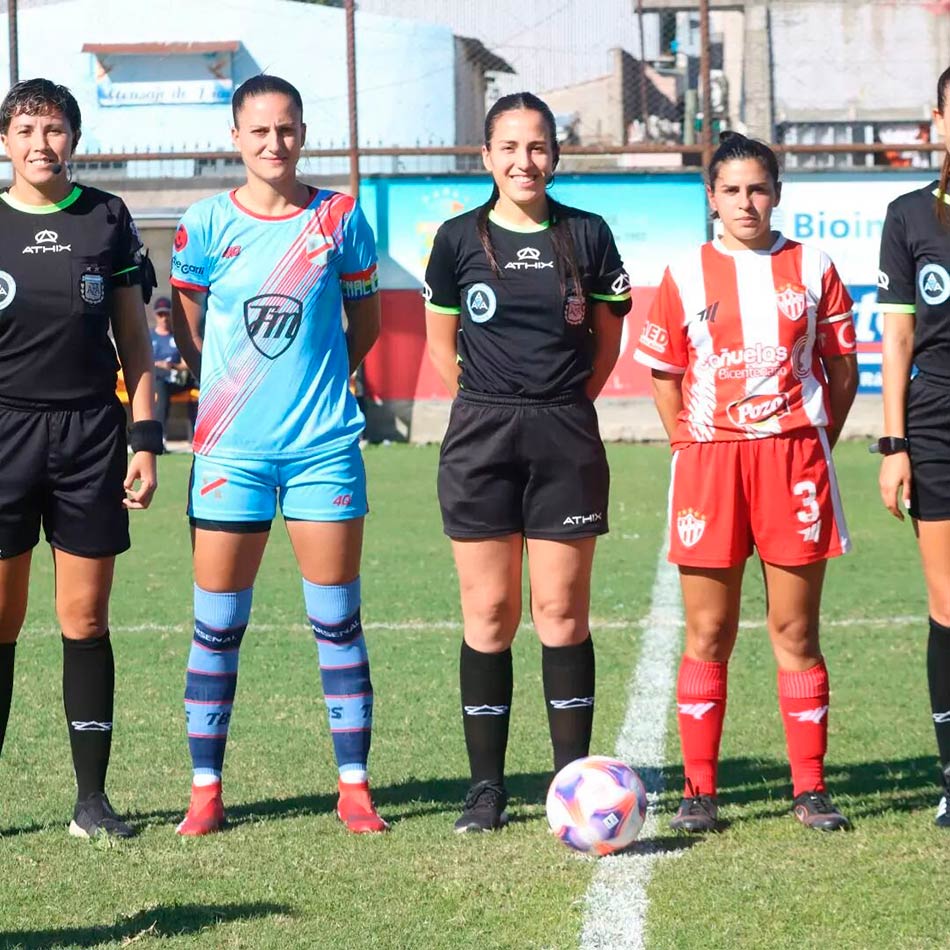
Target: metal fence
<point>402,86</point>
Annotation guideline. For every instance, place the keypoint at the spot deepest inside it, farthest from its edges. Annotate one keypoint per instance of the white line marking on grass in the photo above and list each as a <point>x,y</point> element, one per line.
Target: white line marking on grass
<point>617,900</point>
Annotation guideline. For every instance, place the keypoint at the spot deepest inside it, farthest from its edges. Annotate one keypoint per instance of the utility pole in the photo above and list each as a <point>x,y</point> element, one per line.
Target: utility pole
<point>351,98</point>
<point>14,56</point>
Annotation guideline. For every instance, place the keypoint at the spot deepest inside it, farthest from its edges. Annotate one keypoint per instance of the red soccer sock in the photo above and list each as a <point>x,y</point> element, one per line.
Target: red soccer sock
<point>803,700</point>
<point>701,705</point>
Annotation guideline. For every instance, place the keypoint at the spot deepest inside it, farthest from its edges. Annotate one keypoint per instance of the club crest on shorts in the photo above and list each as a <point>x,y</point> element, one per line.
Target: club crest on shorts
<point>272,322</point>
<point>92,287</point>
<point>690,526</point>
<point>791,301</point>
<point>575,310</point>
<point>481,303</point>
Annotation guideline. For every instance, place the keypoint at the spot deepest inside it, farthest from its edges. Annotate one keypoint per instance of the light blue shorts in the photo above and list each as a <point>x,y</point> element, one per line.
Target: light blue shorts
<point>244,493</point>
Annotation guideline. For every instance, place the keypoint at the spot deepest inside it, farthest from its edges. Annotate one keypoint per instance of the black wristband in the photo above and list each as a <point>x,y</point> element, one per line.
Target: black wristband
<point>147,436</point>
<point>889,445</point>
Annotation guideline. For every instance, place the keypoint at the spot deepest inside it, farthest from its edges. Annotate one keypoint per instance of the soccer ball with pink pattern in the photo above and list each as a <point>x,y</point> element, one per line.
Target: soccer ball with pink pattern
<point>597,805</point>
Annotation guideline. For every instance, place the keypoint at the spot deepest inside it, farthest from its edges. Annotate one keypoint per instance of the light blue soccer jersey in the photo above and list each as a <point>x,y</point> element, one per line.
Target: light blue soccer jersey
<point>274,365</point>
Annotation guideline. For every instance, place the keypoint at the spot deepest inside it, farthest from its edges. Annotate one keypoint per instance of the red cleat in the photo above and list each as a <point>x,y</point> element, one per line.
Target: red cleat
<point>356,810</point>
<point>205,813</point>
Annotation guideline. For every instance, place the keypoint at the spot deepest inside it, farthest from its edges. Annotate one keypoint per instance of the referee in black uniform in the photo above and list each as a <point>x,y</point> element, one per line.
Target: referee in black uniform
<point>525,300</point>
<point>914,296</point>
<point>70,268</point>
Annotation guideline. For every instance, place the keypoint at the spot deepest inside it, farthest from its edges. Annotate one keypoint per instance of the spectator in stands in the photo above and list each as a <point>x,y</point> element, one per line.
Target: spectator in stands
<point>171,371</point>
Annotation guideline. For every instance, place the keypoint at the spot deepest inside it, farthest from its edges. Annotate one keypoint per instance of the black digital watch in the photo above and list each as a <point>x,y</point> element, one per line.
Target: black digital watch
<point>889,445</point>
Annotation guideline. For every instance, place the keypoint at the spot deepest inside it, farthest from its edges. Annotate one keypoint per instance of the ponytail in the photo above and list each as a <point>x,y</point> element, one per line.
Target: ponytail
<point>484,236</point>
<point>564,251</point>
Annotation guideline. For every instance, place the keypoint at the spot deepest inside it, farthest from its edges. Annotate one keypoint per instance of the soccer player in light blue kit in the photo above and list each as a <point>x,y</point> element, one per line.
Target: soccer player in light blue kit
<point>259,277</point>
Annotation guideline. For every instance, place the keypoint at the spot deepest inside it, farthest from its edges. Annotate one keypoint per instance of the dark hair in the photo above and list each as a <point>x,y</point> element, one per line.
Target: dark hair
<point>561,237</point>
<point>261,85</point>
<point>943,212</point>
<point>40,97</point>
<point>733,146</point>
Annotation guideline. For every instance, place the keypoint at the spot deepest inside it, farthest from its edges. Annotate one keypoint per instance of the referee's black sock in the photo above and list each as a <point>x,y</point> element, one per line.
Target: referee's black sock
<point>88,687</point>
<point>7,651</point>
<point>568,674</point>
<point>486,682</point>
<point>938,678</point>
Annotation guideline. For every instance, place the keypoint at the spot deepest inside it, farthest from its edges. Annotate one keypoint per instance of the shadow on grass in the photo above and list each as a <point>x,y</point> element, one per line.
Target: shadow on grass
<point>411,799</point>
<point>159,922</point>
<point>873,788</point>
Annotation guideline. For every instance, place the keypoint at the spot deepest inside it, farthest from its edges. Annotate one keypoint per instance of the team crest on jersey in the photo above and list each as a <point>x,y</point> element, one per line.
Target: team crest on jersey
<point>7,289</point>
<point>934,283</point>
<point>481,303</point>
<point>92,287</point>
<point>690,526</point>
<point>791,301</point>
<point>575,310</point>
<point>181,238</point>
<point>272,322</point>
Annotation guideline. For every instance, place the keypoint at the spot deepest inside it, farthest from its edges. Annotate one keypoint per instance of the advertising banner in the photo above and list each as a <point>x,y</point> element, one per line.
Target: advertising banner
<point>843,214</point>
<point>652,218</point>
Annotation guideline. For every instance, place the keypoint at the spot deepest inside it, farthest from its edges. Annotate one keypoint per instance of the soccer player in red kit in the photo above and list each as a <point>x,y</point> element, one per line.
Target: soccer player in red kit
<point>751,344</point>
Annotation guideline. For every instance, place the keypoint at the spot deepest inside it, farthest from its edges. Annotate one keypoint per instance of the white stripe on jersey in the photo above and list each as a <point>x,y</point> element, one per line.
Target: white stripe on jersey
<point>758,314</point>
<point>814,264</point>
<point>700,398</point>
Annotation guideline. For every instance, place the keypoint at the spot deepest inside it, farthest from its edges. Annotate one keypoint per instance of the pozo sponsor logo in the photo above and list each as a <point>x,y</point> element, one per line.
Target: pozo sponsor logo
<point>529,258</point>
<point>754,411</point>
<point>934,283</point>
<point>185,268</point>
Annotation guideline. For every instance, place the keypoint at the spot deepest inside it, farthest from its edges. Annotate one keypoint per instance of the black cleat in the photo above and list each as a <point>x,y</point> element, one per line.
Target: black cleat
<point>484,808</point>
<point>697,813</point>
<point>815,810</point>
<point>94,816</point>
<point>943,809</point>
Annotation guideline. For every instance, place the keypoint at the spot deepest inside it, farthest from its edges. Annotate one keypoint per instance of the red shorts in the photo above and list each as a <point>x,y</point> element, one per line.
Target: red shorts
<point>778,494</point>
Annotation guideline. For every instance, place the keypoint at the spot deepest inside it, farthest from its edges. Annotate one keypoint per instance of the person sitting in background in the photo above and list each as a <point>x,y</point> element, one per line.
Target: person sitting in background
<point>171,371</point>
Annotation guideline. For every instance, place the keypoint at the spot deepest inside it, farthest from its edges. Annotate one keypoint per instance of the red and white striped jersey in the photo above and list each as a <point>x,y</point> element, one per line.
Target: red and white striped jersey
<point>750,330</point>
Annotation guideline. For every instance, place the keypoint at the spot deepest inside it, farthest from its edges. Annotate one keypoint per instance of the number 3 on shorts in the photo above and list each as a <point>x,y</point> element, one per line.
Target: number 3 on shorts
<point>810,511</point>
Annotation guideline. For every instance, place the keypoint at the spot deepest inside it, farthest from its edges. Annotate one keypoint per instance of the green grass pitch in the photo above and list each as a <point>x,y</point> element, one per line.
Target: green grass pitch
<point>287,875</point>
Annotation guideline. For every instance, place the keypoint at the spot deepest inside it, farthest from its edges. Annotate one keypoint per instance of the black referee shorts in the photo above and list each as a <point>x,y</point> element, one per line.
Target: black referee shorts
<point>515,466</point>
<point>928,430</point>
<point>66,468</point>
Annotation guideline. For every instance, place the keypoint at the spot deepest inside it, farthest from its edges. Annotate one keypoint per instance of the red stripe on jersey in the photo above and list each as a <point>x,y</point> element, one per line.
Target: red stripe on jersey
<point>186,285</point>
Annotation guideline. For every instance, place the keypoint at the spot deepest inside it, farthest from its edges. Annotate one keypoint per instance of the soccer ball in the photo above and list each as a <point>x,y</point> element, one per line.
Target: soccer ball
<point>596,805</point>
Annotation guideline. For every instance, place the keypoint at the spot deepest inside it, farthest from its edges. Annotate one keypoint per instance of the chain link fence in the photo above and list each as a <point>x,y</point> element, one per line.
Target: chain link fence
<point>634,84</point>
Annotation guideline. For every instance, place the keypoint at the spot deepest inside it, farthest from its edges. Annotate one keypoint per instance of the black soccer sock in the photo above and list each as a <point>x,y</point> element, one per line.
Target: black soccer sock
<point>88,687</point>
<point>938,677</point>
<point>7,651</point>
<point>568,674</point>
<point>486,682</point>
